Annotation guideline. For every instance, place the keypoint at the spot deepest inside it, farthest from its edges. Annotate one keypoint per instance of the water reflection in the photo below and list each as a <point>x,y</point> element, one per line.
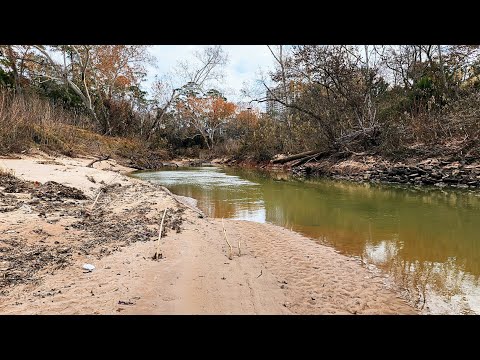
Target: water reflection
<point>425,239</point>
<point>218,194</point>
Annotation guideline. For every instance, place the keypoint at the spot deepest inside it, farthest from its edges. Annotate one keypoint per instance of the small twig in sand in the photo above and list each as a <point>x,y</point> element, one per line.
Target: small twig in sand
<point>261,272</point>
<point>102,188</point>
<point>157,253</point>
<point>239,251</point>
<point>98,195</point>
<point>230,255</point>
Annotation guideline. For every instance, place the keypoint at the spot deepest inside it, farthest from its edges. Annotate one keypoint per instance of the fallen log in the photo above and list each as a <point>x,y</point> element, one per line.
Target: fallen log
<point>340,143</point>
<point>354,135</point>
<point>106,157</point>
<point>295,157</point>
<point>309,158</point>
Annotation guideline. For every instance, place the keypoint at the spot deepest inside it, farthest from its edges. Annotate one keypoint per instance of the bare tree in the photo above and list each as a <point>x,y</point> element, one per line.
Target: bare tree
<point>333,85</point>
<point>207,67</point>
<point>279,56</point>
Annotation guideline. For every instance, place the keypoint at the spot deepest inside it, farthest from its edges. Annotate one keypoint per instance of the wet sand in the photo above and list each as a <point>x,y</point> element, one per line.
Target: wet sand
<point>278,272</point>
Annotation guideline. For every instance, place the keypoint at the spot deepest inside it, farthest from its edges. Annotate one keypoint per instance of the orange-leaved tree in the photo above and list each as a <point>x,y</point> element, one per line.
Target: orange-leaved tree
<point>117,67</point>
<point>246,121</point>
<point>206,116</point>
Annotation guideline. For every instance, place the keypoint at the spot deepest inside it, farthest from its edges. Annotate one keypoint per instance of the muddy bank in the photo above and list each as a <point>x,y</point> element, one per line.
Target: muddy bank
<point>59,214</point>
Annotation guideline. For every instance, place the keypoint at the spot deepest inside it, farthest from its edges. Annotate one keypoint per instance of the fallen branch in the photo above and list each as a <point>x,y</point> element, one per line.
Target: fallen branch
<point>309,158</point>
<point>239,251</point>
<point>230,255</point>
<point>98,195</point>
<point>295,157</point>
<point>355,135</point>
<point>200,213</point>
<point>341,142</point>
<point>106,157</point>
<point>190,207</point>
<point>160,236</point>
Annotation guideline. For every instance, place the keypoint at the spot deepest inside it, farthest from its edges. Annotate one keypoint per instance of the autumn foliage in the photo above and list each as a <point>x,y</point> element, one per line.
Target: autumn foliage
<point>341,98</point>
<point>206,116</point>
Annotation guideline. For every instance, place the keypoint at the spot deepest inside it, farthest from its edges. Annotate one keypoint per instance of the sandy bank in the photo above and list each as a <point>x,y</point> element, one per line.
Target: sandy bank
<point>279,272</point>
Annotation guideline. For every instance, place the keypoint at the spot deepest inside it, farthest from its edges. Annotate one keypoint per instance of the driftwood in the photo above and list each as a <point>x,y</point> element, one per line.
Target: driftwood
<point>103,158</point>
<point>295,157</point>
<point>157,253</point>
<point>308,158</point>
<point>96,199</point>
<point>356,135</point>
<point>200,213</point>
<point>341,143</point>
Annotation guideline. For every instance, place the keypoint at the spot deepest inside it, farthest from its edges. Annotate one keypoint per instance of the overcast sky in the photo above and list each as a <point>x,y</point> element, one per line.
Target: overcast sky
<point>245,64</point>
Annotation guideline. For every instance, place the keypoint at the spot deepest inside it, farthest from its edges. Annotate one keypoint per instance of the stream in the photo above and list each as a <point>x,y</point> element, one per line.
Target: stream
<point>427,240</point>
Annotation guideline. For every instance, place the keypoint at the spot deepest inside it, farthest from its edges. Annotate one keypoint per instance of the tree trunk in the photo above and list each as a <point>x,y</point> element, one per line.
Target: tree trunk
<point>442,69</point>
<point>13,65</point>
<point>295,157</point>
<point>206,141</point>
<point>159,118</point>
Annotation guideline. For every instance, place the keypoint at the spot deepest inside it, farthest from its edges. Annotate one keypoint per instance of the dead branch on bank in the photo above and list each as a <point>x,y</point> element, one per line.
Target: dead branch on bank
<point>295,157</point>
<point>103,158</point>
<point>98,195</point>
<point>307,159</point>
<point>199,212</point>
<point>341,145</point>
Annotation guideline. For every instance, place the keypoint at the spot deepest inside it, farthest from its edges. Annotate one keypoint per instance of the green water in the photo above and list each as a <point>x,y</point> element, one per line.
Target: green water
<point>426,240</point>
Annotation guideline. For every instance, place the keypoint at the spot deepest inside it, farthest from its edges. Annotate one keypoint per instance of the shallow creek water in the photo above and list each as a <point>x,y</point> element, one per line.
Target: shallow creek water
<point>426,239</point>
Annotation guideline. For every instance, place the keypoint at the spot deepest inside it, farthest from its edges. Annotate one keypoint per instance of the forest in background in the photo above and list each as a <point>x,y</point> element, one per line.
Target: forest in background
<point>392,101</point>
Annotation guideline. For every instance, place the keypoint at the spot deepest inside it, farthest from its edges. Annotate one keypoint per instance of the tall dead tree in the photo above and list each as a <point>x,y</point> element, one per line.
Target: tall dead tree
<point>207,67</point>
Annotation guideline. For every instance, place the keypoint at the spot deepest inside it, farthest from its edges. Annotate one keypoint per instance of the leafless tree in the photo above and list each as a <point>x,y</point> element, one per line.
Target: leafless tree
<point>207,67</point>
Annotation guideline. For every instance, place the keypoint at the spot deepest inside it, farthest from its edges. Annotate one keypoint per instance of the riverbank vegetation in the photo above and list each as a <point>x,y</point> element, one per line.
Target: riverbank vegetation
<point>391,101</point>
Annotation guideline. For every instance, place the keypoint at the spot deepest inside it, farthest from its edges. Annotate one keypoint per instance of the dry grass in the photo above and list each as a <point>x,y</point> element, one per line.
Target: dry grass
<point>27,121</point>
<point>7,173</point>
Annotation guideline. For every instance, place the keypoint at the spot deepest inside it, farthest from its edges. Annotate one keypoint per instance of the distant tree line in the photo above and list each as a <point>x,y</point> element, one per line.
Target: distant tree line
<point>354,98</point>
<point>340,98</point>
<point>104,84</point>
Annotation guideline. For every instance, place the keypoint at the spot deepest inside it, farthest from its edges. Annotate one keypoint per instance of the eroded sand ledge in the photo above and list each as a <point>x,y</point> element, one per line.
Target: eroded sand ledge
<point>279,272</point>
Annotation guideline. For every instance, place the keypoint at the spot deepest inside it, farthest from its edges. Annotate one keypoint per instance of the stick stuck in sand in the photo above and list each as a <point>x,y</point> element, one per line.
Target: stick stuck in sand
<point>230,255</point>
<point>160,234</point>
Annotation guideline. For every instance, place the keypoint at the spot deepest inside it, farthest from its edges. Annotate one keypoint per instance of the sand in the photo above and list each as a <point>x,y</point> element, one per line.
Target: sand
<point>278,272</point>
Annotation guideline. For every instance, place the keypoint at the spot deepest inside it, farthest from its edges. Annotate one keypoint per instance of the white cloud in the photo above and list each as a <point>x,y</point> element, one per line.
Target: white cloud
<point>245,64</point>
